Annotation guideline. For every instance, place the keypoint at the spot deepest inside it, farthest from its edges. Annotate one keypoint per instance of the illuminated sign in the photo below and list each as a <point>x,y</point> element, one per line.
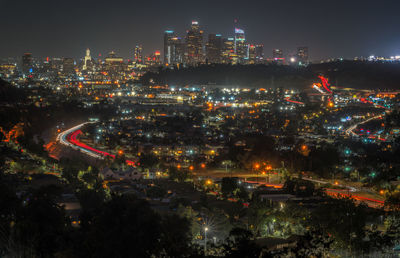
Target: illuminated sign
<point>239,31</point>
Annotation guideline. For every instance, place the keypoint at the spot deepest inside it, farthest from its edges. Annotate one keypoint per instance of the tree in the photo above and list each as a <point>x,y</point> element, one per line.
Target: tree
<point>240,244</point>
<point>41,224</point>
<point>342,219</point>
<point>181,175</point>
<point>125,226</point>
<point>313,244</point>
<point>228,185</point>
<point>176,237</point>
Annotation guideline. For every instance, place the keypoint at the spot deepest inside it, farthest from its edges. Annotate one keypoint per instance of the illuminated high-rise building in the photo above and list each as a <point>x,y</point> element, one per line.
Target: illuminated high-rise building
<point>214,48</point>
<point>259,53</point>
<point>68,66</point>
<point>251,54</point>
<point>277,53</point>
<point>138,55</point>
<point>228,51</point>
<point>241,47</point>
<point>302,55</point>
<point>174,49</point>
<point>87,61</point>
<point>27,63</point>
<point>114,66</point>
<point>153,60</point>
<point>157,58</point>
<point>168,35</point>
<point>194,44</point>
<point>277,56</point>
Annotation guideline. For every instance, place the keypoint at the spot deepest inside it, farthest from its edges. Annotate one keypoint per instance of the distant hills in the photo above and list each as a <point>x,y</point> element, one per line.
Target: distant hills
<point>353,74</point>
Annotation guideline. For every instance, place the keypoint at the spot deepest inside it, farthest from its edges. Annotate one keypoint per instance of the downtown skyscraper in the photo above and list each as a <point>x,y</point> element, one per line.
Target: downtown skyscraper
<point>214,49</point>
<point>302,55</point>
<point>174,49</point>
<point>194,44</point>
<point>240,48</point>
<point>138,54</point>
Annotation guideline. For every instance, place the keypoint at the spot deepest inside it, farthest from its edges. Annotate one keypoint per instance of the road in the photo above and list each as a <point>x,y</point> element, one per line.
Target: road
<point>70,138</point>
<point>349,192</point>
<point>349,131</point>
<point>64,138</point>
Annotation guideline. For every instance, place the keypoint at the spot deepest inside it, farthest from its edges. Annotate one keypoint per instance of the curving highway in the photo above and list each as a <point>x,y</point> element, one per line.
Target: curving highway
<point>64,138</point>
<point>70,138</point>
<point>349,131</point>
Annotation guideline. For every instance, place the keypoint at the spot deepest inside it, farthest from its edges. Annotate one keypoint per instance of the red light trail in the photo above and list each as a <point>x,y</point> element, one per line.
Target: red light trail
<point>72,138</point>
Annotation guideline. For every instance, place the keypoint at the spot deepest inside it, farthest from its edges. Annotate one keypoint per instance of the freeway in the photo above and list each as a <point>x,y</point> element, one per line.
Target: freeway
<point>63,138</point>
<point>350,131</point>
<point>70,138</point>
<point>336,193</point>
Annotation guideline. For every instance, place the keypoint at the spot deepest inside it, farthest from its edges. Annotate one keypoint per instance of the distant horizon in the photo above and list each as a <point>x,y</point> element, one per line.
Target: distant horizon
<point>105,55</point>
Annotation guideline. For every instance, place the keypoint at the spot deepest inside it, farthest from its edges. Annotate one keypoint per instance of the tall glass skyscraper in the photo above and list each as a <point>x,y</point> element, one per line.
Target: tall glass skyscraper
<point>174,49</point>
<point>214,48</point>
<point>194,44</point>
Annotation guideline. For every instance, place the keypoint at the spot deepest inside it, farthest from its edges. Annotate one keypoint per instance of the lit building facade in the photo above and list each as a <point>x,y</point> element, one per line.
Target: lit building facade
<point>259,49</point>
<point>27,63</point>
<point>228,51</point>
<point>277,56</point>
<point>87,62</point>
<point>241,48</point>
<point>302,55</point>
<point>214,49</point>
<point>194,44</point>
<point>174,49</point>
<point>251,54</point>
<point>68,66</point>
<point>138,54</point>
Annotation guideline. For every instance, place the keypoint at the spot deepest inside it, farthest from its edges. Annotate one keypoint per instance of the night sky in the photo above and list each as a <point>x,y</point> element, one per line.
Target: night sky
<point>341,28</point>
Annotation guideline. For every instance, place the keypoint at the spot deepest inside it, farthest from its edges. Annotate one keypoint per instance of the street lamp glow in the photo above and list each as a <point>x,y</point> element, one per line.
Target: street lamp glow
<point>205,239</point>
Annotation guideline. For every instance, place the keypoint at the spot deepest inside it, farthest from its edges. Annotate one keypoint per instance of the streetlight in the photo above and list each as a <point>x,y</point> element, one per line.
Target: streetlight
<point>256,166</point>
<point>205,239</point>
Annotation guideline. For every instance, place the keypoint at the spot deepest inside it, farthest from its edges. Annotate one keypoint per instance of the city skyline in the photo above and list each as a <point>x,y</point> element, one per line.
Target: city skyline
<point>332,30</point>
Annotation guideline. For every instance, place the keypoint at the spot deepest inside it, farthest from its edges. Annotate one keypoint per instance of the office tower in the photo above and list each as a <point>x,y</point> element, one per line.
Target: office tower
<point>277,56</point>
<point>228,51</point>
<point>251,54</point>
<point>259,53</point>
<point>214,48</point>
<point>277,53</point>
<point>88,60</point>
<point>174,49</point>
<point>194,44</point>
<point>153,60</point>
<point>138,55</point>
<point>27,63</point>
<point>241,48</point>
<point>168,35</point>
<point>114,66</point>
<point>68,66</point>
<point>302,55</point>
<point>157,59</point>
